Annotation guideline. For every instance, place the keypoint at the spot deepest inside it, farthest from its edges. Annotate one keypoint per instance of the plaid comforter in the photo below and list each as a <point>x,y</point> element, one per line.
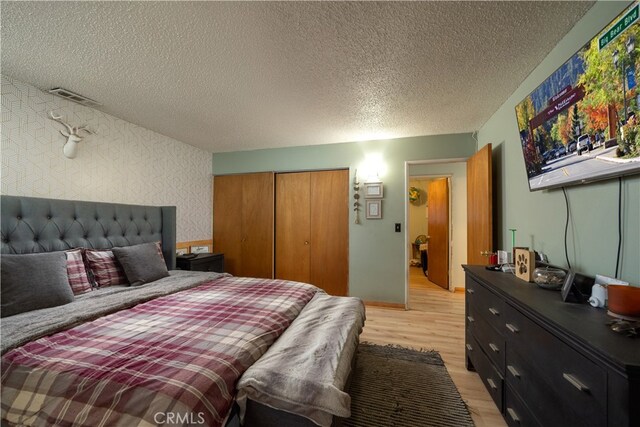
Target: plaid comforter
<point>174,360</point>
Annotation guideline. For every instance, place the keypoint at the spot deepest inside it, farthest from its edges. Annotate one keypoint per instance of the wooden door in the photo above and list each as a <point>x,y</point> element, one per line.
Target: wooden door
<point>257,225</point>
<point>438,223</point>
<point>293,225</point>
<point>479,207</point>
<point>330,231</point>
<point>227,220</point>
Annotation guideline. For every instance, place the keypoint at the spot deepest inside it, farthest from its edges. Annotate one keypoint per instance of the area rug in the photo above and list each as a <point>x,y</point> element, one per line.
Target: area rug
<point>396,386</point>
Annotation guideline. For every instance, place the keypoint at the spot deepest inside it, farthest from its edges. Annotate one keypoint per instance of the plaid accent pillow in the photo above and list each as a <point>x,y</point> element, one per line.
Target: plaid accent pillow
<point>77,273</point>
<point>105,269</point>
<point>159,247</point>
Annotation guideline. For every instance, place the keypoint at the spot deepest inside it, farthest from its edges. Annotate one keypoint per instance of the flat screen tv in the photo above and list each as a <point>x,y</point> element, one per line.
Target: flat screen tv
<point>582,124</point>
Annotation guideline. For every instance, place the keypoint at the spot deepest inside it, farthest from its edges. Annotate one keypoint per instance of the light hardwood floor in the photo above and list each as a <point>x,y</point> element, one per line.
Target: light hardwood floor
<point>435,321</point>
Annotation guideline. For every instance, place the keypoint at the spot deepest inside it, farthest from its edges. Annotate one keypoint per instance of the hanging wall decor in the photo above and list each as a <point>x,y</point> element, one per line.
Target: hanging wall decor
<point>414,194</point>
<point>356,197</point>
<point>70,149</point>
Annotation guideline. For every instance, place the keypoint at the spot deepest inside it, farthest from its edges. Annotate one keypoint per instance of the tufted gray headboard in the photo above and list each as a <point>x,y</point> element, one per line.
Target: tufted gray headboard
<point>31,224</point>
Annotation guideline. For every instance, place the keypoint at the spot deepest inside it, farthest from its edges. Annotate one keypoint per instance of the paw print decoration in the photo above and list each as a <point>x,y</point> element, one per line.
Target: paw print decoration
<point>523,263</point>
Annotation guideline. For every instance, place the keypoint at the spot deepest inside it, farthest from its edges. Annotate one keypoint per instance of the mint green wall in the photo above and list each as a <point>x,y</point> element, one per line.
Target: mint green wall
<point>376,252</point>
<point>539,216</point>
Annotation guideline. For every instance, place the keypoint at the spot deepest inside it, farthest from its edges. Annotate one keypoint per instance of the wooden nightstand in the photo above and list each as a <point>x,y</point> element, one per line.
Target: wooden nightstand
<point>201,262</point>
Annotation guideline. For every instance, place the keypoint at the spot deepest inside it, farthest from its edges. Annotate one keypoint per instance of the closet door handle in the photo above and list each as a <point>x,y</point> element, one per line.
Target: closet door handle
<point>494,311</point>
<point>469,347</point>
<point>470,291</point>
<point>471,319</point>
<point>494,347</point>
<point>513,415</point>
<point>306,242</point>
<point>492,384</point>
<point>575,382</point>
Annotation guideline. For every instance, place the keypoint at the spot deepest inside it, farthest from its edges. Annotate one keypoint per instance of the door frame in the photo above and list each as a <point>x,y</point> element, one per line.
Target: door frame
<point>407,164</point>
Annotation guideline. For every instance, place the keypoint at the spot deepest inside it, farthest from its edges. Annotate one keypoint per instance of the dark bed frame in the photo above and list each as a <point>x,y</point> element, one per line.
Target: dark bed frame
<point>31,224</point>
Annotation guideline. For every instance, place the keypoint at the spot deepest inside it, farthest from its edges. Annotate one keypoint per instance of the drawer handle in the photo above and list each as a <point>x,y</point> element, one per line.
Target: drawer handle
<point>513,415</point>
<point>513,371</point>
<point>492,384</point>
<point>470,291</point>
<point>494,311</point>
<point>494,347</point>
<point>512,328</point>
<point>471,319</point>
<point>575,382</point>
<point>469,347</point>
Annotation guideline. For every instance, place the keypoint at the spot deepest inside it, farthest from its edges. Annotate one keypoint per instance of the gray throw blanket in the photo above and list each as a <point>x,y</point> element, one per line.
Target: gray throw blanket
<point>24,327</point>
<point>305,371</point>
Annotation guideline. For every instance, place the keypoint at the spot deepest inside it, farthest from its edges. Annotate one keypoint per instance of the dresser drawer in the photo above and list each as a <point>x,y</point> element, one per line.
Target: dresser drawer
<point>554,372</point>
<point>491,341</point>
<point>492,380</point>
<point>487,304</point>
<point>540,395</point>
<point>516,413</point>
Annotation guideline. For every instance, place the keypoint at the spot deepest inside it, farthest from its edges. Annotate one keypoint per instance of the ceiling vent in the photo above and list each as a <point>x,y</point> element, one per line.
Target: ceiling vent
<point>75,97</point>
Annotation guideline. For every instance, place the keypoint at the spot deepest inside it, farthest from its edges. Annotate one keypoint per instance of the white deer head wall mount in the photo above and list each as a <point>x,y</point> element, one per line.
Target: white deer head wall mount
<point>70,148</point>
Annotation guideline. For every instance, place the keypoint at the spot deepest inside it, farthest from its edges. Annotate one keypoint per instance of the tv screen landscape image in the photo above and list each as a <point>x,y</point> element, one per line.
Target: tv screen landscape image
<point>582,124</point>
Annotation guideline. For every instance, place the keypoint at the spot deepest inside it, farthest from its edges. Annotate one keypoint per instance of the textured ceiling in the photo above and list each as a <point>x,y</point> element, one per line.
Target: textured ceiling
<point>245,75</point>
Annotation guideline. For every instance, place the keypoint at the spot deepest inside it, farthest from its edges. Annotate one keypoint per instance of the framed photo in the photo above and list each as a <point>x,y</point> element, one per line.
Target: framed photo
<point>373,190</point>
<point>374,209</point>
<point>568,287</point>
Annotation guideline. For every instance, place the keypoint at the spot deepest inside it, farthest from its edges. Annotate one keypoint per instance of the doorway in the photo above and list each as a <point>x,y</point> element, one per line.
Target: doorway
<point>439,216</point>
<point>471,212</point>
<point>428,230</point>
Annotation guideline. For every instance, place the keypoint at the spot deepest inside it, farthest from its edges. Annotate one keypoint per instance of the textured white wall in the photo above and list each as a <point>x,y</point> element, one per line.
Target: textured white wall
<point>123,163</point>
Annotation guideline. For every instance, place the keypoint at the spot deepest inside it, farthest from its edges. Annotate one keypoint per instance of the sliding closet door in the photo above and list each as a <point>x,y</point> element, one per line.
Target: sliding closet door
<point>257,225</point>
<point>312,229</point>
<point>293,226</point>
<point>243,223</point>
<point>330,231</point>
<point>227,221</point>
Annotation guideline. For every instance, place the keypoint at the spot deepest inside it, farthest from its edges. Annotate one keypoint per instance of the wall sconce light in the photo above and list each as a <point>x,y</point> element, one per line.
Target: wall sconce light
<point>70,149</point>
<point>374,167</point>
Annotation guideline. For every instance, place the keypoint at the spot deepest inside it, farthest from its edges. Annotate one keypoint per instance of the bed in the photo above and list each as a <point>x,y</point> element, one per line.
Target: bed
<point>175,347</point>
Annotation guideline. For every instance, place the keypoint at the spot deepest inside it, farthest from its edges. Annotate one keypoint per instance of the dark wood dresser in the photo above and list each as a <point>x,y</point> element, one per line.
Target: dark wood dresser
<point>201,262</point>
<point>546,362</point>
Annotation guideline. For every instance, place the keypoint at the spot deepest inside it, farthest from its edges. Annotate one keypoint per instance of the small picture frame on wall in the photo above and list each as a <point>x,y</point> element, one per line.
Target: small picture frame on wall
<point>374,209</point>
<point>373,190</point>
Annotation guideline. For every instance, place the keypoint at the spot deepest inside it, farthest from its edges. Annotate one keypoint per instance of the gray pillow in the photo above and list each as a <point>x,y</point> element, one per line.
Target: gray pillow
<point>33,281</point>
<point>141,263</point>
